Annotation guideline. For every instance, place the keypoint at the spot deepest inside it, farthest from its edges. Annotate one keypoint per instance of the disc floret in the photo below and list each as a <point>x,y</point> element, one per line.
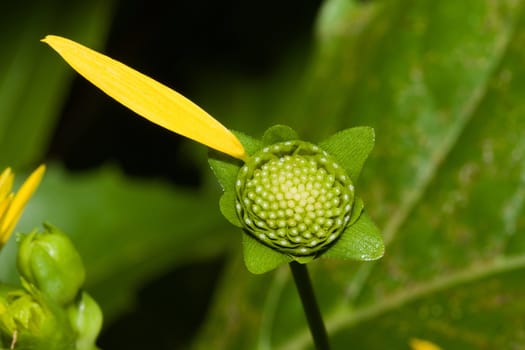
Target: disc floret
<point>293,197</point>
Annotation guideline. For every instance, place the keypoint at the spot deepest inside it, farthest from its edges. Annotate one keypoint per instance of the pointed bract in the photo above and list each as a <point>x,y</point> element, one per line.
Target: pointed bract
<point>360,241</point>
<point>279,133</point>
<point>259,258</point>
<point>228,210</point>
<point>351,147</point>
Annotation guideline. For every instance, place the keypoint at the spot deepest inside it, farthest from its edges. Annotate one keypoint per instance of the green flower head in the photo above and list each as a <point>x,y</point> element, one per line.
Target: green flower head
<point>296,201</point>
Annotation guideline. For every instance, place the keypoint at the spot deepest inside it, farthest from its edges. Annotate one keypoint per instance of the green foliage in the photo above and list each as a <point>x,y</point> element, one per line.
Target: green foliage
<point>33,84</point>
<point>442,84</point>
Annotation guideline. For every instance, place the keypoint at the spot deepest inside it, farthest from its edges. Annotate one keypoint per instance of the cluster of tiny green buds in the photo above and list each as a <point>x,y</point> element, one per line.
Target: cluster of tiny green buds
<point>29,321</point>
<point>293,197</point>
<point>51,311</point>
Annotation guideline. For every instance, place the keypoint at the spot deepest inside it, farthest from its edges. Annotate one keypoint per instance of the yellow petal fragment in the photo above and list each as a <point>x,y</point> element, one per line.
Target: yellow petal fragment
<point>6,182</point>
<point>18,203</point>
<point>4,205</point>
<point>147,97</point>
<point>421,344</point>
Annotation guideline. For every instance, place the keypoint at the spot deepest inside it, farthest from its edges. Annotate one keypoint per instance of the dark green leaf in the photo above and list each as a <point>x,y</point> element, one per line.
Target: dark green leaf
<point>442,84</point>
<point>33,83</point>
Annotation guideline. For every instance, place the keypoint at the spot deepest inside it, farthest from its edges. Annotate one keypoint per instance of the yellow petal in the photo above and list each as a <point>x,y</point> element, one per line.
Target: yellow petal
<point>147,97</point>
<point>6,182</point>
<point>4,205</point>
<point>18,203</point>
<point>421,344</point>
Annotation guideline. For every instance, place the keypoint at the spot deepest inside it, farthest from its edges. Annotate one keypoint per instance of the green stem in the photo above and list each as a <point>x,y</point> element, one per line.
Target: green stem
<point>311,309</point>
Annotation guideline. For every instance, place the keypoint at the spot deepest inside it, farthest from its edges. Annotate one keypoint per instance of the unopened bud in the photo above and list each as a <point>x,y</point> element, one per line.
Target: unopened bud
<point>49,261</point>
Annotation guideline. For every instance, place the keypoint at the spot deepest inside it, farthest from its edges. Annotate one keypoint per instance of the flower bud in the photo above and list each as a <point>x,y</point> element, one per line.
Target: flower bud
<point>293,197</point>
<point>86,319</point>
<point>49,262</point>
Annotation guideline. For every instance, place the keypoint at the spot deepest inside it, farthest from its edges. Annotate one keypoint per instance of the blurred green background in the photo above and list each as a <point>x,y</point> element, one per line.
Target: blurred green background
<point>441,82</point>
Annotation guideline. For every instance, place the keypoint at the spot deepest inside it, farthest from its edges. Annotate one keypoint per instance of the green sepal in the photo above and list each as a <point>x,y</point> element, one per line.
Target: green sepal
<point>279,133</point>
<point>250,144</point>
<point>86,318</point>
<point>37,321</point>
<point>227,207</point>
<point>259,258</point>
<point>360,241</point>
<point>356,210</point>
<point>350,148</point>
<point>226,169</point>
<point>304,259</point>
